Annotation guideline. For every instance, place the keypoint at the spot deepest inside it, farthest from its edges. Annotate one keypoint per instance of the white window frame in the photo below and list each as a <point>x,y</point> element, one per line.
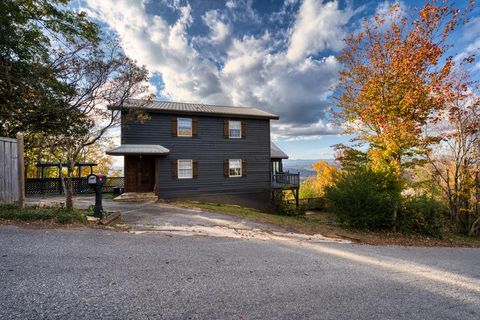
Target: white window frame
<point>230,129</point>
<point>181,176</point>
<point>230,161</point>
<point>178,127</point>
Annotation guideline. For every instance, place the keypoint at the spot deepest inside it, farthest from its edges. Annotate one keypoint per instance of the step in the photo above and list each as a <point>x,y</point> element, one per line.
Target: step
<point>137,196</point>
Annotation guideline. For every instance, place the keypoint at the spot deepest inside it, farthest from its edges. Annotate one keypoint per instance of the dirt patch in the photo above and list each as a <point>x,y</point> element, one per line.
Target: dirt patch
<point>227,232</point>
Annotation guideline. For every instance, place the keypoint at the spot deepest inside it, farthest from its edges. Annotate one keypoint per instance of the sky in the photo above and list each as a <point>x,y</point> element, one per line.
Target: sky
<point>279,56</point>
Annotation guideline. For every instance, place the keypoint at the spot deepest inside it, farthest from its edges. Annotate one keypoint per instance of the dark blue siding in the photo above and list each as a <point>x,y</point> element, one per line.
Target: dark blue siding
<point>209,149</point>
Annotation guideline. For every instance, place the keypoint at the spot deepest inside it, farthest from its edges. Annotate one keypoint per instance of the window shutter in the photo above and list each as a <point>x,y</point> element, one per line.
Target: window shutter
<point>244,129</point>
<point>174,169</point>
<point>225,129</point>
<point>195,169</point>
<point>194,126</point>
<point>174,126</point>
<point>225,168</point>
<point>244,168</point>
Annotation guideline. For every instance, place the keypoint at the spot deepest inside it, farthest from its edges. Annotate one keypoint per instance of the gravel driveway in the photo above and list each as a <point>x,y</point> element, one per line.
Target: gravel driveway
<point>100,274</point>
<point>157,214</point>
<point>153,217</point>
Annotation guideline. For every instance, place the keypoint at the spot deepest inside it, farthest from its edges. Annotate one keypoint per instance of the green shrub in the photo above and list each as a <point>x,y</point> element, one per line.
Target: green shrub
<point>70,217</point>
<point>12,212</point>
<point>287,209</point>
<point>307,189</point>
<point>364,199</point>
<point>422,215</point>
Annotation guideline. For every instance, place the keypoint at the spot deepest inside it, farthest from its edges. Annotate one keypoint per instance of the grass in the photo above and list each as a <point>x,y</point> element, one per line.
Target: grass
<point>52,214</point>
<point>325,223</point>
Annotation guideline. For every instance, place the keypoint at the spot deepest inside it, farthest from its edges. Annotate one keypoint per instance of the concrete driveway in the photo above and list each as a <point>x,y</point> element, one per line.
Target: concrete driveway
<point>153,217</point>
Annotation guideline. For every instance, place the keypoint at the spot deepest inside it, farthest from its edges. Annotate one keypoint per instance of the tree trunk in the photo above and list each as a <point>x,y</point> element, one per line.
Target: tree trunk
<point>69,186</point>
<point>394,218</point>
<point>474,227</point>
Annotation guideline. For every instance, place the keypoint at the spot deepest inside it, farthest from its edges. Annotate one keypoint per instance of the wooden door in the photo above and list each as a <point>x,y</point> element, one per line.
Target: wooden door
<point>145,174</point>
<point>139,173</point>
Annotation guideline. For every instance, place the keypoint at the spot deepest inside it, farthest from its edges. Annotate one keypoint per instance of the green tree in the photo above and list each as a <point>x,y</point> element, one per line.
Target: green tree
<point>30,88</point>
<point>99,76</point>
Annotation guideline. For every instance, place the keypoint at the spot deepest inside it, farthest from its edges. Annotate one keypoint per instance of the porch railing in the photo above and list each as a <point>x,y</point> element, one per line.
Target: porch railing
<point>285,180</point>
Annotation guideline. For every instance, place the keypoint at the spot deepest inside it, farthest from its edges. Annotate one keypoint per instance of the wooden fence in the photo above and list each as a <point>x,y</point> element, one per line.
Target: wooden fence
<point>9,174</point>
<point>80,186</point>
<point>309,203</point>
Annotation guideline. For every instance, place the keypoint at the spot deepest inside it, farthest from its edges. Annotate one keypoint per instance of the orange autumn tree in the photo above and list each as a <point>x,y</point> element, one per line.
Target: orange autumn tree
<point>314,187</point>
<point>395,78</point>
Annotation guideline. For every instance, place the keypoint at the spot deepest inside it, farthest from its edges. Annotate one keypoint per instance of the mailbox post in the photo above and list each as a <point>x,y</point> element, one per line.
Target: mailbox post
<point>97,181</point>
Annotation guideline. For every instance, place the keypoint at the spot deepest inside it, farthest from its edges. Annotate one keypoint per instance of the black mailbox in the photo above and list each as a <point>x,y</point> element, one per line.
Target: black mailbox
<point>96,181</point>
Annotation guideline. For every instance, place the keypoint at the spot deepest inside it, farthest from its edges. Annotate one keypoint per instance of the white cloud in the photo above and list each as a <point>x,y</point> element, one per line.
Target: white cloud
<point>256,71</point>
<point>242,10</point>
<point>318,26</point>
<point>219,30</point>
<point>163,48</point>
<point>314,131</point>
<point>471,36</point>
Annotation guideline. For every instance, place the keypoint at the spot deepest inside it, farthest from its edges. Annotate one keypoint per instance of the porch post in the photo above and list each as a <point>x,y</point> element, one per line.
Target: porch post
<point>157,171</point>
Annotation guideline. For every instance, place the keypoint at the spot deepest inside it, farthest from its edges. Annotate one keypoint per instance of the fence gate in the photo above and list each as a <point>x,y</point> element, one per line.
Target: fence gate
<point>9,174</point>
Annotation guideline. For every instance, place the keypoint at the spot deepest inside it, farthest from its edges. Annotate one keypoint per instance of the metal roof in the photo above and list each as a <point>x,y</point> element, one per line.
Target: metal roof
<point>276,152</point>
<point>196,108</point>
<point>138,149</point>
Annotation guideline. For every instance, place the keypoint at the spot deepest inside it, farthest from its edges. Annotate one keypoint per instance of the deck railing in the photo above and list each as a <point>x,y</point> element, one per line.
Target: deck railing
<point>285,180</point>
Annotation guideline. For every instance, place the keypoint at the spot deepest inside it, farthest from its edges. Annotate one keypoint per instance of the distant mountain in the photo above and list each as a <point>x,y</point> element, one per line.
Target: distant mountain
<point>119,168</point>
<point>304,167</point>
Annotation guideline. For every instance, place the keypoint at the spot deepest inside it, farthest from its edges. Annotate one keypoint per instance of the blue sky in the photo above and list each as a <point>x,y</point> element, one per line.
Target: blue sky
<point>279,56</point>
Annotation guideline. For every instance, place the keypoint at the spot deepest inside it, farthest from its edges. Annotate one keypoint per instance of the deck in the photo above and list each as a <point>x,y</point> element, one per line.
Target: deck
<point>285,180</point>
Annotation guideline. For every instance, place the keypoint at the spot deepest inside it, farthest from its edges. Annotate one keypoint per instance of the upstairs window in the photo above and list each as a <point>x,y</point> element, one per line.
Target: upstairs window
<point>185,169</point>
<point>184,127</point>
<point>234,129</point>
<point>234,168</point>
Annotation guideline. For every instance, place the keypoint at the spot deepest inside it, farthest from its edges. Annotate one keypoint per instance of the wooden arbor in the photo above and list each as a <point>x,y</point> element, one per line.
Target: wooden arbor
<point>59,165</point>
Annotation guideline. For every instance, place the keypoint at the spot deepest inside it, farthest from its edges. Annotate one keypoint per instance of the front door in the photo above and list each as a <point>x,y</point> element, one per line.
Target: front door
<point>139,173</point>
<point>146,174</point>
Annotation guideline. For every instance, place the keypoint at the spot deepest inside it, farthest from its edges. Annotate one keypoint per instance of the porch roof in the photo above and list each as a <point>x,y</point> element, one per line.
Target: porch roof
<point>276,152</point>
<point>138,149</point>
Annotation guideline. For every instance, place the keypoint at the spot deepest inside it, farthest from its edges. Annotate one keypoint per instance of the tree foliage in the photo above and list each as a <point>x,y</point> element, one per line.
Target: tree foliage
<point>101,80</point>
<point>395,78</point>
<point>314,187</point>
<point>456,161</point>
<point>59,76</point>
<point>30,90</point>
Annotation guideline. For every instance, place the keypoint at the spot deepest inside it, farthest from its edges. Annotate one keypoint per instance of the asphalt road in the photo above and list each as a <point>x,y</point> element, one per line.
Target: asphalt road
<point>99,274</point>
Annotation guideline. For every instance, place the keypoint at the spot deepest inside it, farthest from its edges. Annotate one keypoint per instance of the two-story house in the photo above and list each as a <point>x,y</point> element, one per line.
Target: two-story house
<point>200,152</point>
